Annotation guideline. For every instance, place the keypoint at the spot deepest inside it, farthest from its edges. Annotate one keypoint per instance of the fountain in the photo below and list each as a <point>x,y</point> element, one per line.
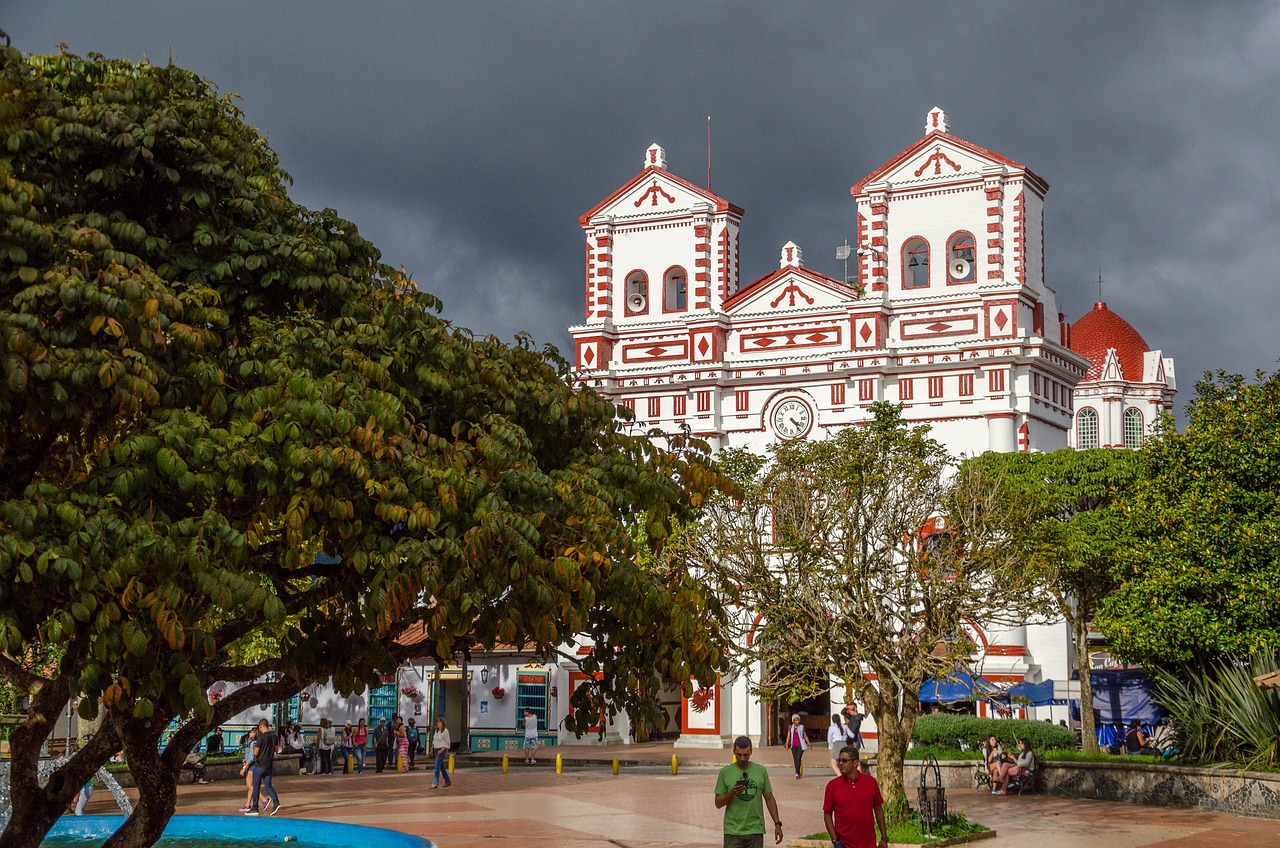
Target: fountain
<point>240,832</point>
<point>46,768</point>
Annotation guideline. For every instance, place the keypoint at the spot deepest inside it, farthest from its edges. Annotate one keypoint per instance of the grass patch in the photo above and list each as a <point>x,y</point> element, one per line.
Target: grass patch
<point>909,832</point>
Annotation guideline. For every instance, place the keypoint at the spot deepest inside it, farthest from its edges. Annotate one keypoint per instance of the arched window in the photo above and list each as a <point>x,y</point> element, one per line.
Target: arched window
<point>636,292</point>
<point>675,289</point>
<point>1133,428</point>
<point>1086,429</point>
<point>961,266</point>
<point>915,264</point>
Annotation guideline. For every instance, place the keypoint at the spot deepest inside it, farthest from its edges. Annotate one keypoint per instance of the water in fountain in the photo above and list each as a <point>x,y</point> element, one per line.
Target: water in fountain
<point>46,768</point>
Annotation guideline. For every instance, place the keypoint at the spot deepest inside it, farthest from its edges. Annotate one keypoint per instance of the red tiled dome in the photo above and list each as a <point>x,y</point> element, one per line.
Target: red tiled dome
<point>1101,329</point>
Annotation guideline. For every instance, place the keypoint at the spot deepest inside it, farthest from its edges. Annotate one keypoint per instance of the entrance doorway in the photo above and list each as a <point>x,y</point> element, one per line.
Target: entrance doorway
<point>814,711</point>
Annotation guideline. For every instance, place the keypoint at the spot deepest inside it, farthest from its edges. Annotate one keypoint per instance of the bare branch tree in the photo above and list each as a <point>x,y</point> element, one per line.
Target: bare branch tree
<point>861,557</point>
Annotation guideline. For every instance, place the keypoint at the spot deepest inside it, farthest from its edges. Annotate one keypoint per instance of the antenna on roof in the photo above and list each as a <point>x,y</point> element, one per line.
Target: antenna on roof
<point>708,153</point>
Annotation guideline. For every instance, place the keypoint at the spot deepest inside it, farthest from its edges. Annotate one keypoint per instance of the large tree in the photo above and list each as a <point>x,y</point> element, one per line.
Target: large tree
<point>1076,536</point>
<point>1201,582</point>
<point>205,385</point>
<point>827,555</point>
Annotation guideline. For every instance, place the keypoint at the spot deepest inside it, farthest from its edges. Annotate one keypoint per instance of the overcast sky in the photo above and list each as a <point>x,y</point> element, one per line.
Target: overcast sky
<point>465,138</point>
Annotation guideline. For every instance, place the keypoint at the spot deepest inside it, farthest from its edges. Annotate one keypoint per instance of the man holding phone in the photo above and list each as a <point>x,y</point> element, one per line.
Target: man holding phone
<point>742,791</point>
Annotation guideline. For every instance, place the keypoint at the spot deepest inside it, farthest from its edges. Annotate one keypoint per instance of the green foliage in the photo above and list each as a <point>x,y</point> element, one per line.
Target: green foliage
<point>1222,716</point>
<point>205,384</point>
<point>1201,581</point>
<point>1076,533</point>
<point>952,730</point>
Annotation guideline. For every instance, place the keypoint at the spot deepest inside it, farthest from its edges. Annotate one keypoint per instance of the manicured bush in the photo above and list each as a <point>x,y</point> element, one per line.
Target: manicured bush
<point>964,731</point>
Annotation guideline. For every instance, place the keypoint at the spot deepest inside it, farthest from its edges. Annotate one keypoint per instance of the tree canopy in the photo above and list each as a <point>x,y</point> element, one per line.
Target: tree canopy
<point>829,555</point>
<point>1075,537</point>
<point>1201,581</point>
<point>205,385</point>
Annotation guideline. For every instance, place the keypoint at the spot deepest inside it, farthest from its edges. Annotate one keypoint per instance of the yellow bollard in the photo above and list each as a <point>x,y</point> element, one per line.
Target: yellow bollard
<point>451,764</point>
<point>674,765</point>
<point>506,764</point>
<point>559,764</point>
<point>615,765</point>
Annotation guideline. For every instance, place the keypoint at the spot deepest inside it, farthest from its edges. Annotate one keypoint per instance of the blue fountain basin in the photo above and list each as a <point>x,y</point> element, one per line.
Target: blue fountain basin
<point>241,831</point>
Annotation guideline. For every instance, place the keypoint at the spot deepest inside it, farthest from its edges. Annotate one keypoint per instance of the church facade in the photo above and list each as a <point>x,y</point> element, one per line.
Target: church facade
<point>948,314</point>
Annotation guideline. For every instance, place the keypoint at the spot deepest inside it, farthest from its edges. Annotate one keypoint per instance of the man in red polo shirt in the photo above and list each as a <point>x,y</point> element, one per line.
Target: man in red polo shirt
<point>851,803</point>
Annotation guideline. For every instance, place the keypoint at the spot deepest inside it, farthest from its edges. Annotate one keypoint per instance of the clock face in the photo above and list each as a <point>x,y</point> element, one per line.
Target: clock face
<point>792,418</point>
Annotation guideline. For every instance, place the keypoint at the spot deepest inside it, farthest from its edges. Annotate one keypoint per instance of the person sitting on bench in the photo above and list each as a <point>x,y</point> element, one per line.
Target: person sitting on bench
<point>195,764</point>
<point>1138,742</point>
<point>213,745</point>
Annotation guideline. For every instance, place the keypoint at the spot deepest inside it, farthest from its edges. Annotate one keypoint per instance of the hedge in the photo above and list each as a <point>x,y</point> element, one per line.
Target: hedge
<point>956,731</point>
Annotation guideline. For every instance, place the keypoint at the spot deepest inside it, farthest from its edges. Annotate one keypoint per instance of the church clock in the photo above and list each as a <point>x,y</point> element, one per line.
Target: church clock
<point>792,418</point>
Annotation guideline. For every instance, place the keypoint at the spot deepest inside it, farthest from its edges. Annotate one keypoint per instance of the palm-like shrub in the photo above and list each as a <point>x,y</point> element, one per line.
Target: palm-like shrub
<point>1223,717</point>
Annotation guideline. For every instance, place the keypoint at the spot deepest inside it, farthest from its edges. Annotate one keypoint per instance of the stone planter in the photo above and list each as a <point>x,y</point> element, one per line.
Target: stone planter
<point>1245,793</point>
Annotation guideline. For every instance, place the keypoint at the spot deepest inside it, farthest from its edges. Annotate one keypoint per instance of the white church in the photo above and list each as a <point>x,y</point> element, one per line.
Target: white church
<point>948,314</point>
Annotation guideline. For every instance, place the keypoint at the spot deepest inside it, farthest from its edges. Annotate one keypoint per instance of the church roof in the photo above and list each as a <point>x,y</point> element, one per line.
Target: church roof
<point>938,136</point>
<point>1102,329</point>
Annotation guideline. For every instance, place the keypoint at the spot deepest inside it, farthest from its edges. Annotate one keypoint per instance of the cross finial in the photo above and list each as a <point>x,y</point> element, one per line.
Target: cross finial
<point>1099,284</point>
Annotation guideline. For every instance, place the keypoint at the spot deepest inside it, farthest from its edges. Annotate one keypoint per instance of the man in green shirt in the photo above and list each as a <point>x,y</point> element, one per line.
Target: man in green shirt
<point>740,789</point>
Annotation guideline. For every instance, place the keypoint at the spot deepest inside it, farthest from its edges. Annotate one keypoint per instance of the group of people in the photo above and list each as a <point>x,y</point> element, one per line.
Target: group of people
<point>852,805</point>
<point>845,729</point>
<point>1003,766</point>
<point>393,743</point>
<point>396,743</point>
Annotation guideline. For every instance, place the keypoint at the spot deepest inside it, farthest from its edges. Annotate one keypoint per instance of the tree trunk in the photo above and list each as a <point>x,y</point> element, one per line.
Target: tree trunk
<point>894,736</point>
<point>157,781</point>
<point>36,807</point>
<point>1088,727</point>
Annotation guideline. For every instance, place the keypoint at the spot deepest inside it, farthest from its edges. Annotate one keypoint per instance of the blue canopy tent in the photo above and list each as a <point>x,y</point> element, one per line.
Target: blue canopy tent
<point>957,686</point>
<point>1119,697</point>
<point>1026,694</point>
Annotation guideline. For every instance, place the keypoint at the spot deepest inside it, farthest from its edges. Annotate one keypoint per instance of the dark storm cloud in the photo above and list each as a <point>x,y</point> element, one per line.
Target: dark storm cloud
<point>465,139</point>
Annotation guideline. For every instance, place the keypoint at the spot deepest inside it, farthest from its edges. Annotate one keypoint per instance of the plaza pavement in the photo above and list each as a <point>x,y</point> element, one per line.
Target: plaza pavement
<point>646,807</point>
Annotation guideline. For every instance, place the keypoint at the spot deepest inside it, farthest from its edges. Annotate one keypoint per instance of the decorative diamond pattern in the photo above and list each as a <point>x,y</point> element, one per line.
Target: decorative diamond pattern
<point>1001,320</point>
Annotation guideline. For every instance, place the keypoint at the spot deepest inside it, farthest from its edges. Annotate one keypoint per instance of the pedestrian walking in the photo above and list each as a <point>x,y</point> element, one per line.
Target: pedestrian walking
<point>853,807</point>
<point>530,736</point>
<point>381,745</point>
<point>325,741</point>
<point>348,748</point>
<point>440,744</point>
<point>264,756</point>
<point>402,748</point>
<point>415,739</point>
<point>798,742</point>
<point>83,796</point>
<point>853,723</point>
<point>837,737</point>
<point>246,760</point>
<point>742,791</point>
<point>360,744</point>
